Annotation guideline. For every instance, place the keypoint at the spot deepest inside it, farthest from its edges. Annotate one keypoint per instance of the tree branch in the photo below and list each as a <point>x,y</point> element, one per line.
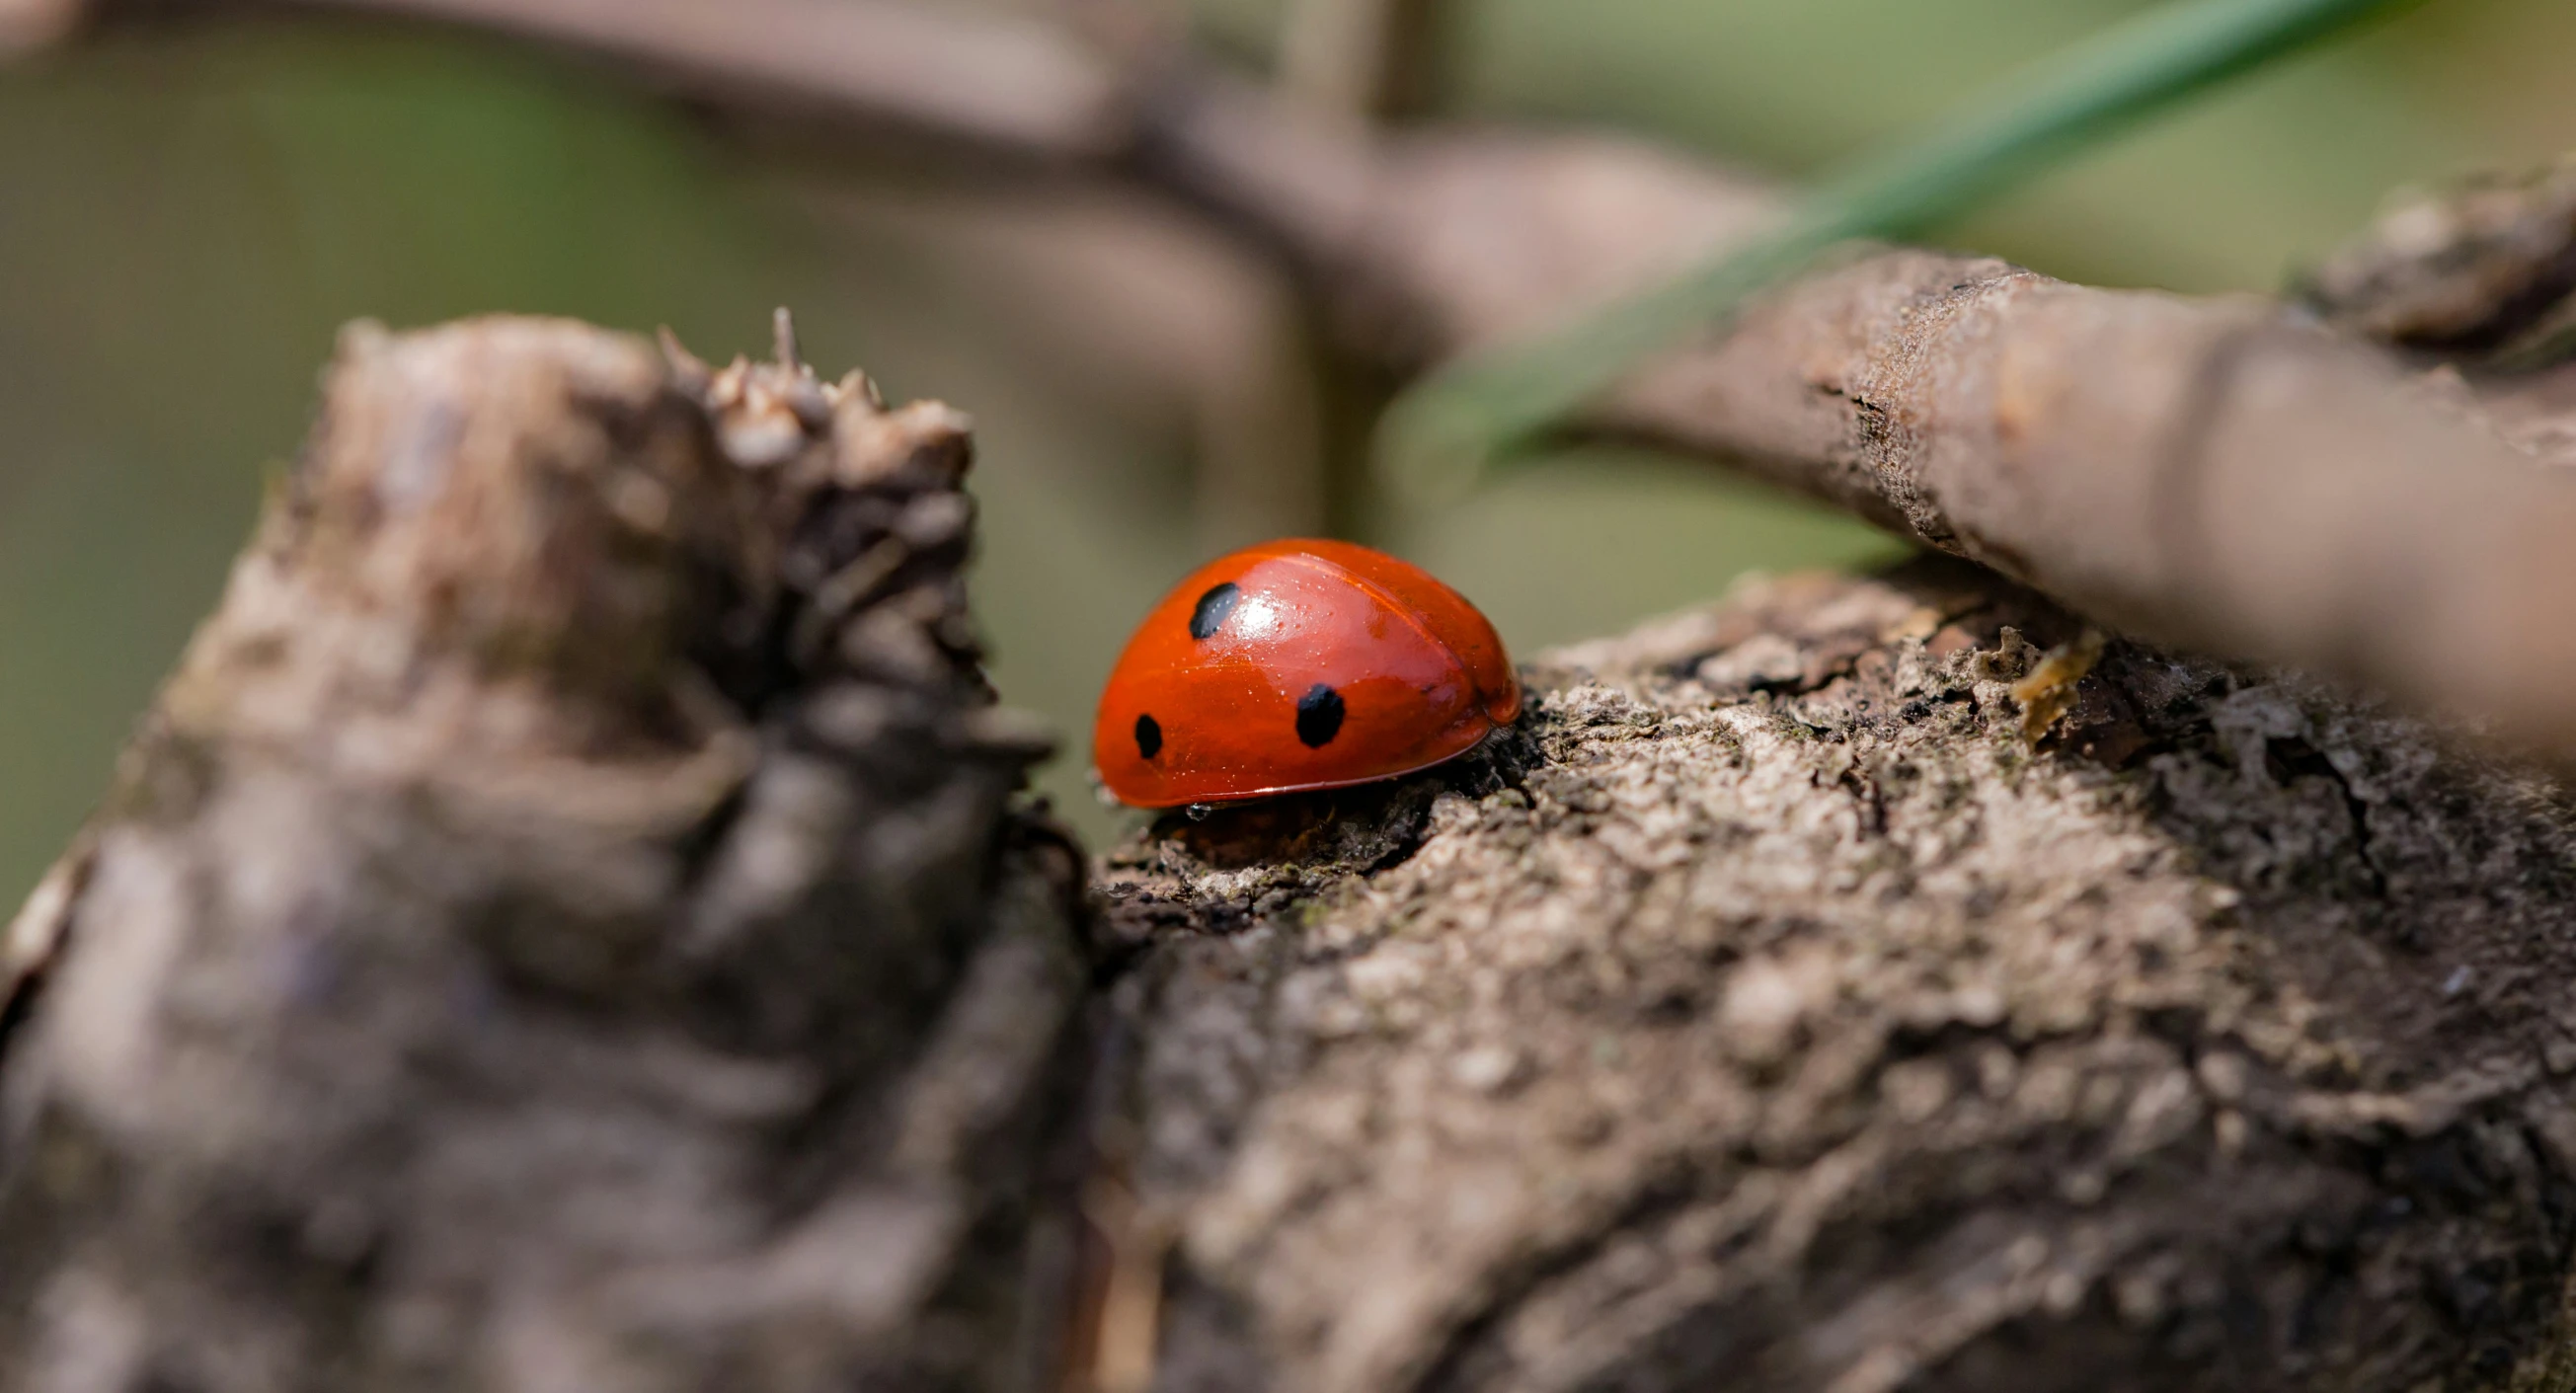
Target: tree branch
<point>1359,60</point>
<point>563,927</point>
<point>563,905</point>
<point>967,78</point>
<point>1772,1016</point>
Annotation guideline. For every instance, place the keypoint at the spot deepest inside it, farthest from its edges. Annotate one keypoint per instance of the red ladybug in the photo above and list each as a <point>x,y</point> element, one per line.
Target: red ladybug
<point>1297,665</point>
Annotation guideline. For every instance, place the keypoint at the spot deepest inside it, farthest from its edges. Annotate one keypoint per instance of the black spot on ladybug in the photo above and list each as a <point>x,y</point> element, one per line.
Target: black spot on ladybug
<point>1209,614</point>
<point>1319,716</point>
<point>1149,737</point>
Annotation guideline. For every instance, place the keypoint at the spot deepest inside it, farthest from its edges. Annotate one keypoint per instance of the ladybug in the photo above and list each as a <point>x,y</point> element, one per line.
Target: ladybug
<point>1297,665</point>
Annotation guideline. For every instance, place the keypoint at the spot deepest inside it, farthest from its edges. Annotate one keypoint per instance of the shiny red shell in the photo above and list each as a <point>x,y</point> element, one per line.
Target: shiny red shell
<point>1297,665</point>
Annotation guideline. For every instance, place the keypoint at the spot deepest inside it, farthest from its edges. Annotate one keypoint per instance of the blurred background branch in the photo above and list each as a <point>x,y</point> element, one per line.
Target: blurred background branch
<point>1361,59</point>
<point>963,76</point>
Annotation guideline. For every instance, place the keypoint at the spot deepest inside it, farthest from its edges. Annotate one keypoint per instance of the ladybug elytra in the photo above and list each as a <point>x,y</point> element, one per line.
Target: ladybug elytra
<point>1297,665</point>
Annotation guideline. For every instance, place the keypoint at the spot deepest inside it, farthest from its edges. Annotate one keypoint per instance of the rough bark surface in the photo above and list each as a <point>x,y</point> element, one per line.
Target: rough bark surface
<point>1771,1012</point>
<point>561,928</point>
<point>2483,270</point>
<point>565,928</point>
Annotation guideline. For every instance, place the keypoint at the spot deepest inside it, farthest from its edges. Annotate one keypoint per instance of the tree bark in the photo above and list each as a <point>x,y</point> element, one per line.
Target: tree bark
<point>562,927</point>
<point>1772,1014</point>
<point>565,927</point>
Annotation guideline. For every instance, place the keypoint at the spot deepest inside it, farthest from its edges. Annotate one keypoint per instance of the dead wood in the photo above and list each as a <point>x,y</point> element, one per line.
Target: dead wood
<point>561,927</point>
<point>1770,1014</point>
<point>564,927</point>
<point>1768,1009</point>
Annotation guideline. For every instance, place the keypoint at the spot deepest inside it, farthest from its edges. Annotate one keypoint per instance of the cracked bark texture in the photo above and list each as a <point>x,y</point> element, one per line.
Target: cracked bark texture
<point>562,927</point>
<point>1772,1014</point>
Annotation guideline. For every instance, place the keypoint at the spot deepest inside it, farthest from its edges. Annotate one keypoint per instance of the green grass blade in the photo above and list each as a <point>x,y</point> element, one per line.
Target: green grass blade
<point>1437,438</point>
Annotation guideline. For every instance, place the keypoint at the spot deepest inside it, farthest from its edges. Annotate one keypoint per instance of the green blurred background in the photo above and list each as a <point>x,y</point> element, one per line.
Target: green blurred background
<point>186,214</point>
